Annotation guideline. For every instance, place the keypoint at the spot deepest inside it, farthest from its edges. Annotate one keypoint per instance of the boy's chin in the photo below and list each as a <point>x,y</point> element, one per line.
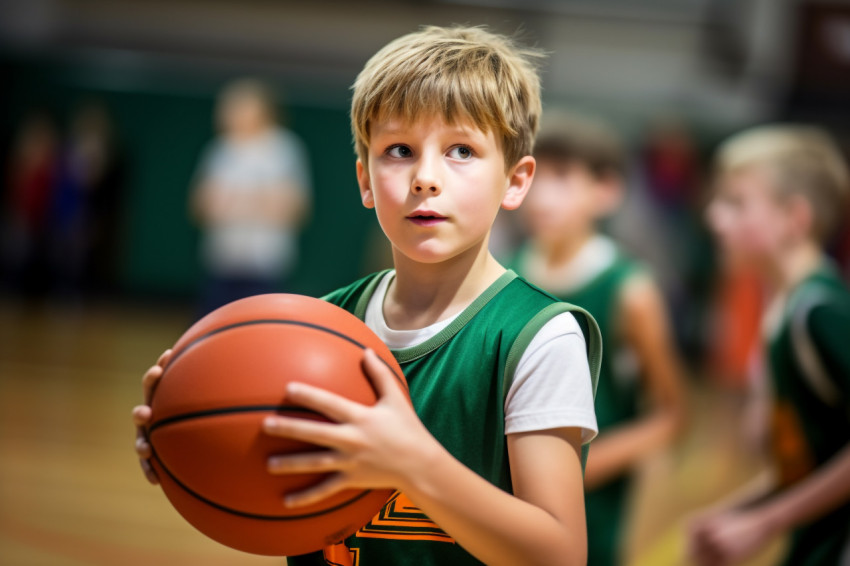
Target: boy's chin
<point>735,260</point>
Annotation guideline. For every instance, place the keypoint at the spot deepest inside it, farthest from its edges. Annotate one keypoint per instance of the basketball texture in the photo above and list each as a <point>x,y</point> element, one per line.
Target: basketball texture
<point>226,374</point>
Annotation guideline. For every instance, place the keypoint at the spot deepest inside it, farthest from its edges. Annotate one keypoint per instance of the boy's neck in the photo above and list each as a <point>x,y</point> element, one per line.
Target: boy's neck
<point>793,265</point>
<point>558,253</point>
<point>423,294</point>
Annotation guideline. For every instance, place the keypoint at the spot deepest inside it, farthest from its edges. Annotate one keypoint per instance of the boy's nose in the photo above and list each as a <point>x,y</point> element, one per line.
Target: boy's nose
<point>425,187</point>
<point>425,182</point>
<point>427,174</point>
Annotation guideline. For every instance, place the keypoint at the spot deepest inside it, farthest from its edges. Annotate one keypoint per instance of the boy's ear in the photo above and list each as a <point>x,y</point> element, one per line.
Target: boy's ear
<point>611,191</point>
<point>801,214</point>
<point>366,196</point>
<point>519,181</point>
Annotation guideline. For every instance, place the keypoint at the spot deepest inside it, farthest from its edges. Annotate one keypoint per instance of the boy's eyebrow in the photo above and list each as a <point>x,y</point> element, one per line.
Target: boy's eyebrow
<point>390,130</point>
<point>401,128</point>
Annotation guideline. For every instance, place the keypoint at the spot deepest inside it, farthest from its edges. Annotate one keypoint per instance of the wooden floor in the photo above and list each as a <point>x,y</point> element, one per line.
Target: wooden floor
<point>71,492</point>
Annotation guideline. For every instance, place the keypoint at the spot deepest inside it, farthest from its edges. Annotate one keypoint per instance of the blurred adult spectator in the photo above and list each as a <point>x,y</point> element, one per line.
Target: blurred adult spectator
<point>251,197</point>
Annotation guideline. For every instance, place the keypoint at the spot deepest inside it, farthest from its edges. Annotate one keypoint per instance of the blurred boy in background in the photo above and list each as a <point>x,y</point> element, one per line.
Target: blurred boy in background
<point>639,403</point>
<point>252,195</point>
<point>780,193</point>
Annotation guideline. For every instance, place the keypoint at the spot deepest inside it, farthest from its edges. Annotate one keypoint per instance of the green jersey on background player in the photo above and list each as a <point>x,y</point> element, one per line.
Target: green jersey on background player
<point>779,194</point>
<point>809,365</point>
<point>639,402</point>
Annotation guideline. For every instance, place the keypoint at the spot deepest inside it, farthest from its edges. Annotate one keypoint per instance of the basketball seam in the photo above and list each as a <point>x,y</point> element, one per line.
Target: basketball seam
<point>229,410</point>
<point>175,356</point>
<point>248,515</point>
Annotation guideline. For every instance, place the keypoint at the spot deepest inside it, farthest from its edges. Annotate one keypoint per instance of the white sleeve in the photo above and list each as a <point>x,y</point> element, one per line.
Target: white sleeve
<point>551,386</point>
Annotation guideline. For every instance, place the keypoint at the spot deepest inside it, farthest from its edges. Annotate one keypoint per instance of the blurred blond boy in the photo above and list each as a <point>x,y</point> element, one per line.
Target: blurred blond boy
<point>780,193</point>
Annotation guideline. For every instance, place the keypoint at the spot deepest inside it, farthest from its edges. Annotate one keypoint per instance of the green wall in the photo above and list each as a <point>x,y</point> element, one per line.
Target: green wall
<point>164,121</point>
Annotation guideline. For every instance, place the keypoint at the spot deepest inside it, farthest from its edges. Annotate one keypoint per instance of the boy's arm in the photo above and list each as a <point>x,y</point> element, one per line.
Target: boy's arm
<point>643,321</point>
<point>387,446</point>
<point>542,524</point>
<point>732,536</point>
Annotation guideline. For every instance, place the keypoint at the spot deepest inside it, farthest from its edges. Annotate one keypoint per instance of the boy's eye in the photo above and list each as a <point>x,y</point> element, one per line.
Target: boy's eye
<point>460,152</point>
<point>399,151</point>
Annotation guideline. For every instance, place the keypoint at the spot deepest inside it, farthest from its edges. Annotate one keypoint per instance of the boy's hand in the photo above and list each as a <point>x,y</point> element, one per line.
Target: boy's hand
<point>729,537</point>
<point>142,416</point>
<point>371,447</point>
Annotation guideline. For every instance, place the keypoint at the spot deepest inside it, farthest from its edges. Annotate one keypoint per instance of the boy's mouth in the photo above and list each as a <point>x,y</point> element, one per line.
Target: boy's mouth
<point>426,218</point>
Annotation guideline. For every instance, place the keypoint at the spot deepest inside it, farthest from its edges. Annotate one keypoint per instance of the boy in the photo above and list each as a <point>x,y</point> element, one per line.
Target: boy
<point>488,468</point>
<point>579,180</point>
<point>780,193</point>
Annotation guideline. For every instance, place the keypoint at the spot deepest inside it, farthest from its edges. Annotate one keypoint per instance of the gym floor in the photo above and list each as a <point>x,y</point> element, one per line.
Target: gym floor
<point>71,492</point>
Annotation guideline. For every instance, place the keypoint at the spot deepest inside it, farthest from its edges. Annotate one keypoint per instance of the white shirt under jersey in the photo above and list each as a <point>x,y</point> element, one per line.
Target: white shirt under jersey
<point>551,387</point>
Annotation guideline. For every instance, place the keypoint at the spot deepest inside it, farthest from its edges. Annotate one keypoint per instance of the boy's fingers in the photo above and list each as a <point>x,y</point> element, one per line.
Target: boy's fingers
<point>150,474</point>
<point>305,430</point>
<point>143,449</point>
<point>308,463</point>
<point>150,379</point>
<point>163,358</point>
<point>309,496</point>
<point>382,377</point>
<point>141,415</point>
<point>333,406</point>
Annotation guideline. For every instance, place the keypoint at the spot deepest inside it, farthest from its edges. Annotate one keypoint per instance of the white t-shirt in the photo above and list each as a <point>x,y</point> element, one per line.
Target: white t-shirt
<point>551,387</point>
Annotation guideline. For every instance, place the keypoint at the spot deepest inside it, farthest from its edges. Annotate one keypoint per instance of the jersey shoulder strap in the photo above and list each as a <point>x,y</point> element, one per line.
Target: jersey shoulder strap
<point>813,369</point>
<point>355,297</point>
<point>592,336</point>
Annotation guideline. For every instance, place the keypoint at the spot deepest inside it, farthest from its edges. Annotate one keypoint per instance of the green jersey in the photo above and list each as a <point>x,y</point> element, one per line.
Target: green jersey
<point>809,365</point>
<point>458,380</point>
<point>616,397</point>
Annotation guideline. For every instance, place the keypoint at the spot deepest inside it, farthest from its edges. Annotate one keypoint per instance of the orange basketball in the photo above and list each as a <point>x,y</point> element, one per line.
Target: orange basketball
<point>226,374</point>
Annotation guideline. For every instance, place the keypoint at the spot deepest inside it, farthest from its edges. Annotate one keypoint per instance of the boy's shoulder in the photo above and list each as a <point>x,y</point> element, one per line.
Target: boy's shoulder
<point>816,323</point>
<point>824,289</point>
<point>550,304</point>
<point>348,297</point>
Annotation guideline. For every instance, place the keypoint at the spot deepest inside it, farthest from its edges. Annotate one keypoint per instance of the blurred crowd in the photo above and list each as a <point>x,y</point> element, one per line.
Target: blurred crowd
<point>62,213</point>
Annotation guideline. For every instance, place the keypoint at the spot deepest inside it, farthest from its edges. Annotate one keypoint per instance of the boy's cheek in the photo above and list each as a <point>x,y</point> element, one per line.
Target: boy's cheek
<point>746,246</point>
<point>731,236</point>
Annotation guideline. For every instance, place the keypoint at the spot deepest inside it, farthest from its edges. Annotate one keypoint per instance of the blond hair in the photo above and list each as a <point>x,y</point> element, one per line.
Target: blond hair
<point>458,73</point>
<point>802,160</point>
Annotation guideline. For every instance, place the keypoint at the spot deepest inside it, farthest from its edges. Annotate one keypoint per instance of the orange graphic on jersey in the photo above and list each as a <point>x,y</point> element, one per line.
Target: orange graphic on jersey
<point>400,519</point>
<point>789,445</point>
<point>340,555</point>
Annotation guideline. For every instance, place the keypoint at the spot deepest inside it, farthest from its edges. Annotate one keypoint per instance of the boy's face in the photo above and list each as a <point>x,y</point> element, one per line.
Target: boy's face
<point>565,201</point>
<point>750,220</point>
<point>437,187</point>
